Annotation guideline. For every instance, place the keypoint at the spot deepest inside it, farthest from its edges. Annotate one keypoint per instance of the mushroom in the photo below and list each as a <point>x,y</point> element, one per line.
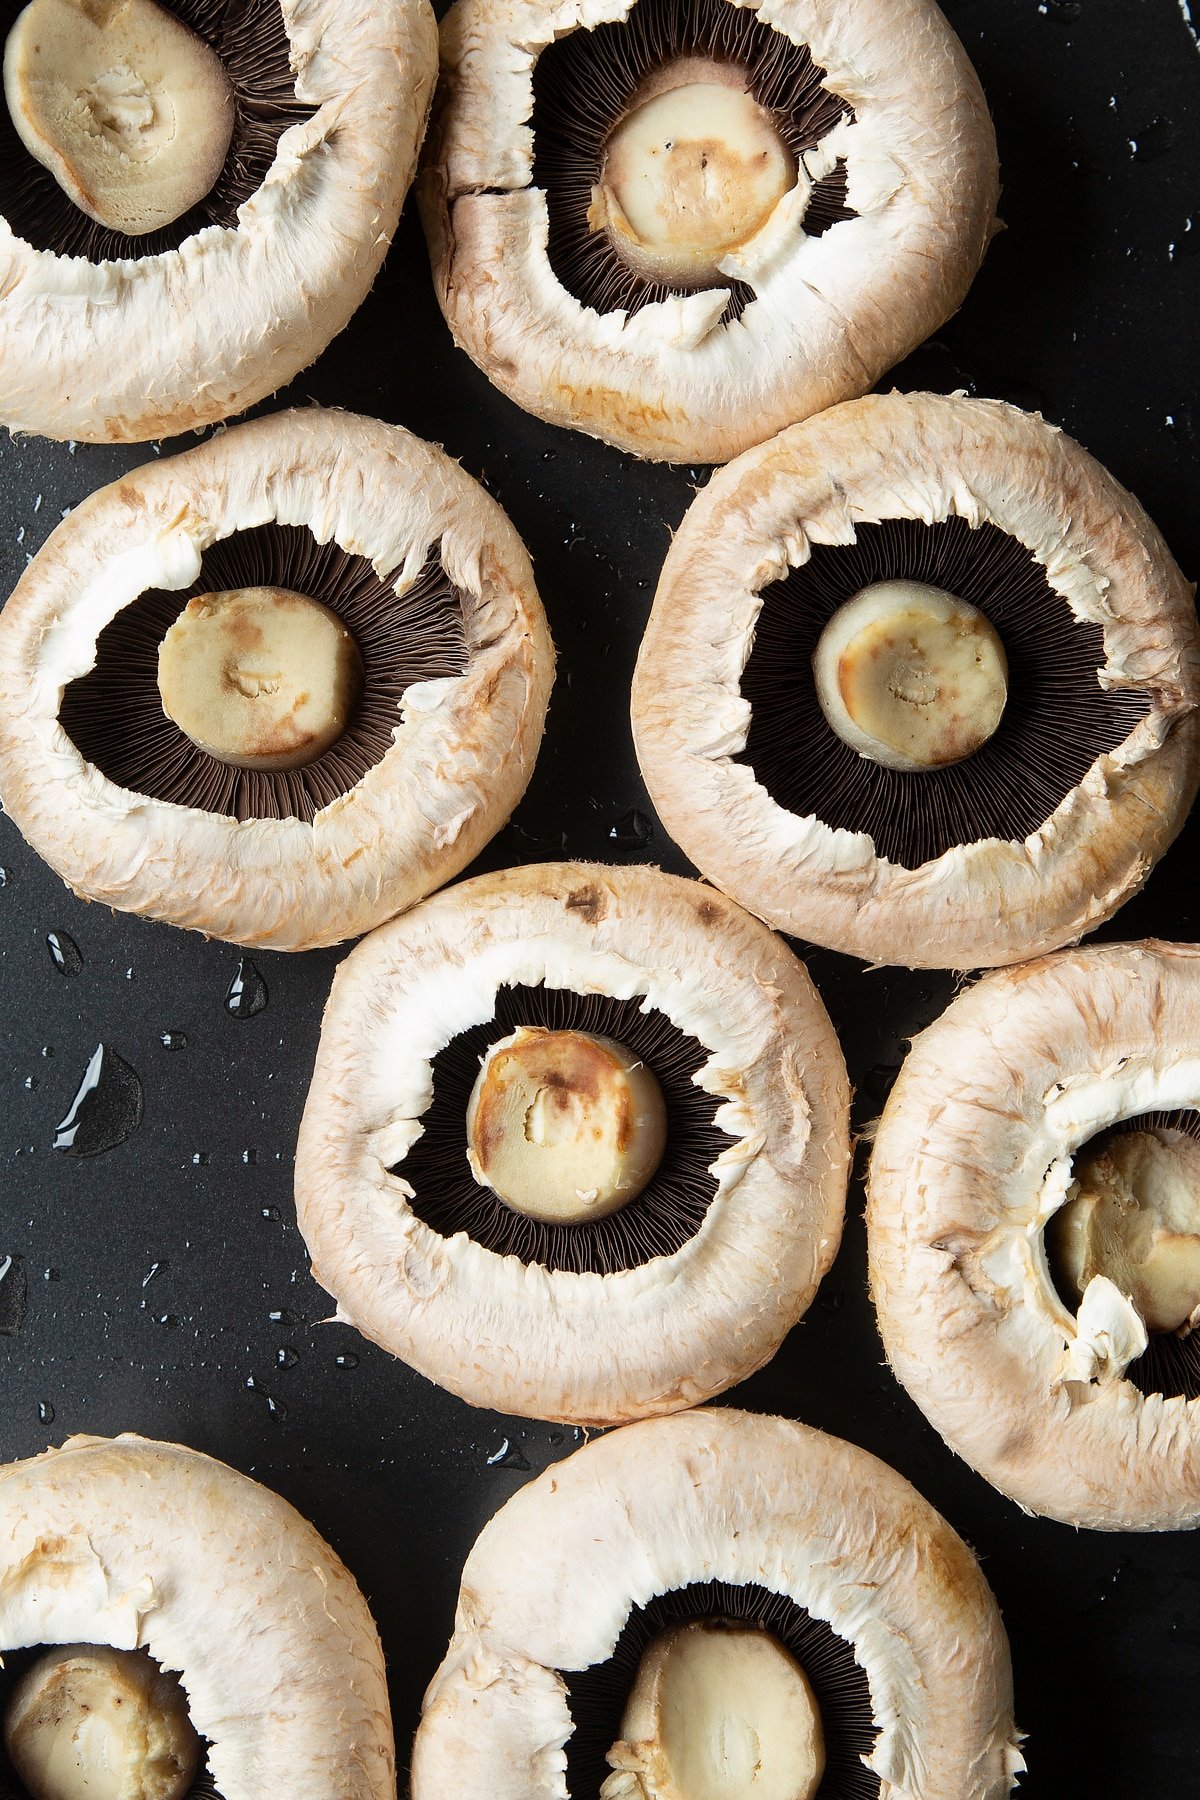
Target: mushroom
<point>194,200</point>
<point>682,226</point>
<point>181,728</point>
<point>738,1592</point>
<point>547,1247</point>
<point>1034,1233</point>
<point>920,683</point>
<point>144,1558</point>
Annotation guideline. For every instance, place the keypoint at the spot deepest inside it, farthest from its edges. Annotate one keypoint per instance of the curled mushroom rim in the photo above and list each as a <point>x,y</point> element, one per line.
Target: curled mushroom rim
<point>585,80</point>
<point>1058,720</point>
<point>114,714</point>
<point>657,1222</point>
<point>596,1696</point>
<point>251,41</point>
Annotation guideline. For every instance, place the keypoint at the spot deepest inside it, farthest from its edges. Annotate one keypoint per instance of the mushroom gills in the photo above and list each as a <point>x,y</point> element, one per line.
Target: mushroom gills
<point>911,676</point>
<point>564,1126</point>
<point>1134,1216</point>
<point>130,111</point>
<point>86,1722</point>
<point>260,678</point>
<point>718,1712</point>
<point>689,174</point>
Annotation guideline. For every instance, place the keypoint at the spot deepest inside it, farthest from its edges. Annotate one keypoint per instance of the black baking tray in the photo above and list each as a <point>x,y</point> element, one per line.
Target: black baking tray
<point>162,1287</point>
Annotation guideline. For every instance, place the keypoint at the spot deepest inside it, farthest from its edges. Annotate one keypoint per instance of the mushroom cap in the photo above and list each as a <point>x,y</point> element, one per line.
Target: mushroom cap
<point>463,748</point>
<point>927,458</point>
<point>972,1158</point>
<point>144,1545</point>
<point>154,345</point>
<point>555,1344</point>
<point>719,1495</point>
<point>832,311</point>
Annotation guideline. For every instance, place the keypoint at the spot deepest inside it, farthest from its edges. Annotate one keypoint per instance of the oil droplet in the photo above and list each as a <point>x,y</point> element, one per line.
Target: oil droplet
<point>632,831</point>
<point>247,991</point>
<point>14,1295</point>
<point>172,1040</point>
<point>347,1360</point>
<point>106,1110</point>
<point>65,953</point>
<point>45,1412</point>
<point>286,1357</point>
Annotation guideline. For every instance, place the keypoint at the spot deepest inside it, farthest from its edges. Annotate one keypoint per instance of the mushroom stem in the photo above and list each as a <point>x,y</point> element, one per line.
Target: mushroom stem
<point>718,1713</point>
<point>90,1723</point>
<point>564,1126</point>
<point>130,111</point>
<point>693,170</point>
<point>260,678</point>
<point>1134,1217</point>
<point>910,676</point>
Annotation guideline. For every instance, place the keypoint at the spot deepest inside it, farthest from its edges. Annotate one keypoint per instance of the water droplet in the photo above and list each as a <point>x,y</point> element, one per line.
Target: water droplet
<point>276,1408</point>
<point>1063,12</point>
<point>31,1082</point>
<point>45,1412</point>
<point>282,1317</point>
<point>249,1157</point>
<point>271,1214</point>
<point>508,1456</point>
<point>347,1360</point>
<point>106,1110</point>
<point>47,1050</point>
<point>1152,141</point>
<point>286,1357</point>
<point>247,991</point>
<point>65,953</point>
<point>632,831</point>
<point>14,1295</point>
<point>169,1320</point>
<point>3,878</point>
<point>51,1275</point>
<point>172,1040</point>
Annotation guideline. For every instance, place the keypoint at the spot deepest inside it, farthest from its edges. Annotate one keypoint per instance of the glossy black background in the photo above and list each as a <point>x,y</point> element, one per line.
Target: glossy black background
<point>1087,309</point>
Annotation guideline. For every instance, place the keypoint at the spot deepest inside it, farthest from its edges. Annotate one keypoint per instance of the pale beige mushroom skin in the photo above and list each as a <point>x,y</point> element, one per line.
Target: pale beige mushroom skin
<point>126,351</point>
<point>719,1495</point>
<point>586,1348</point>
<point>926,457</point>
<point>148,1545</point>
<point>972,1160</point>
<point>832,313</point>
<point>464,747</point>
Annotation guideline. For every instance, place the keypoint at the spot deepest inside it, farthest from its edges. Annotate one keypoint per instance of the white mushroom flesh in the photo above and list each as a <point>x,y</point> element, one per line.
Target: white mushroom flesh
<point>130,111</point>
<point>718,1713</point>
<point>564,1126</point>
<point>259,677</point>
<point>1135,1217</point>
<point>688,176</point>
<point>90,1723</point>
<point>911,676</point>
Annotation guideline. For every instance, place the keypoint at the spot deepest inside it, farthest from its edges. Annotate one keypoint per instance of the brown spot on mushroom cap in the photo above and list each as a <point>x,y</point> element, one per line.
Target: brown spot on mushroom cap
<point>589,902</point>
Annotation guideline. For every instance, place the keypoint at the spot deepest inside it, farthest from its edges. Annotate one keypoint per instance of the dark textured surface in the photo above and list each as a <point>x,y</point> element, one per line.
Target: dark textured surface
<point>166,1287</point>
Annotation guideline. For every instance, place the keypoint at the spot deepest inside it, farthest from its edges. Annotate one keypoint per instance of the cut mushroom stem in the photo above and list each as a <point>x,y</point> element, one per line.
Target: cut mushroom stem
<point>564,1126</point>
<point>694,169</point>
<point>718,1713</point>
<point>259,677</point>
<point>1135,1218</point>
<point>130,111</point>
<point>90,1723</point>
<point>911,676</point>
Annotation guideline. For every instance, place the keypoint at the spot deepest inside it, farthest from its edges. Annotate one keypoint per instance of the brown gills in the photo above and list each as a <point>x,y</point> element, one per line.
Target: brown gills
<point>671,1207</point>
<point>114,713</point>
<point>250,39</point>
<point>1170,1363</point>
<point>583,85</point>
<point>1057,721</point>
<point>597,1696</point>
